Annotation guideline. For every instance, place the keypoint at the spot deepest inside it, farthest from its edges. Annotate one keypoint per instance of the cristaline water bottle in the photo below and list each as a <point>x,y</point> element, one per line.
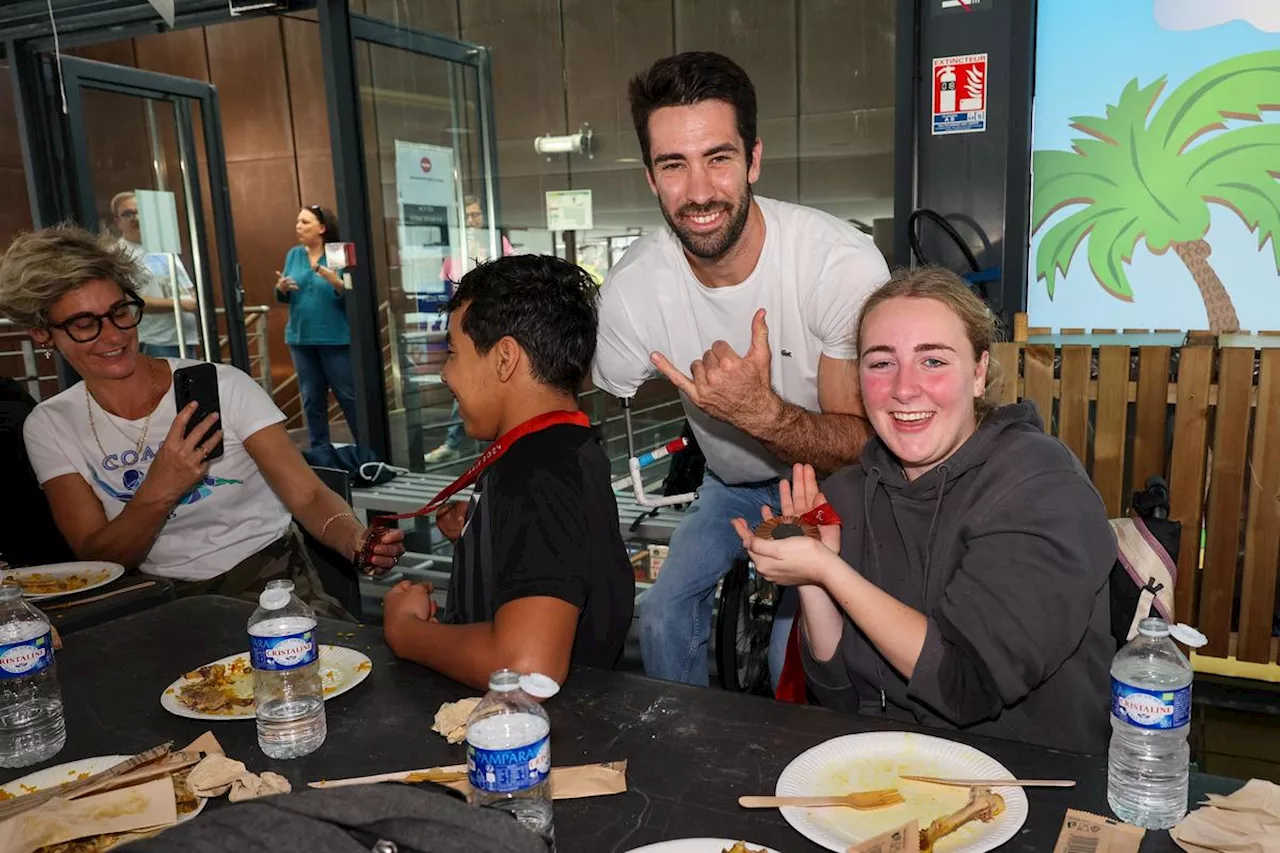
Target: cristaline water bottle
<point>1150,716</point>
<point>31,723</point>
<point>287,690</point>
<point>509,750</point>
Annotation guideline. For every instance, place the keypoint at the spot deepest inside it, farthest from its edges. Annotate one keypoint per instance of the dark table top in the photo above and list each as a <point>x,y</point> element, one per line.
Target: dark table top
<point>691,751</point>
<point>127,594</point>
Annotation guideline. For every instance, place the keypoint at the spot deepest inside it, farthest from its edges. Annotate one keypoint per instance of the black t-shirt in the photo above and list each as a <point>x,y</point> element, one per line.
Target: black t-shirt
<point>543,521</point>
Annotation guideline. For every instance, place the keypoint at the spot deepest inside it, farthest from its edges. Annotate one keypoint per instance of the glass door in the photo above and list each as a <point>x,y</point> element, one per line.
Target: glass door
<point>429,148</point>
<point>150,169</point>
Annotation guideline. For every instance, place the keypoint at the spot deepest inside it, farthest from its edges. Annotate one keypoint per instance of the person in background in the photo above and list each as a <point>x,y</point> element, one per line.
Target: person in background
<point>158,331</point>
<point>968,588</point>
<point>541,578</point>
<point>756,298</point>
<point>451,272</point>
<point>317,333</point>
<point>126,481</point>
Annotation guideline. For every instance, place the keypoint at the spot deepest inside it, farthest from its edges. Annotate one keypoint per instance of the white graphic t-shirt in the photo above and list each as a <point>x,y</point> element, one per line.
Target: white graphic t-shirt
<point>232,514</point>
<point>813,274</point>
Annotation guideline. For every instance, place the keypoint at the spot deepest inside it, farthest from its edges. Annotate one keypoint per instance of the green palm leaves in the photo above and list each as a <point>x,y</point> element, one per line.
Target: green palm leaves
<point>1144,176</point>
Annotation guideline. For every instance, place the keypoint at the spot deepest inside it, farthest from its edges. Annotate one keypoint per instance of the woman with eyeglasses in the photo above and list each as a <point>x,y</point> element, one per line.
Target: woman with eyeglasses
<point>125,482</point>
<point>317,334</point>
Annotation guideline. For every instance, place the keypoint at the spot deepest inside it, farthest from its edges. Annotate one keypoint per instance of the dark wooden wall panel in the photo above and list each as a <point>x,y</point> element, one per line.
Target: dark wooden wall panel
<point>264,196</point>
<point>15,212</point>
<point>307,107</point>
<point>247,66</point>
<point>181,53</point>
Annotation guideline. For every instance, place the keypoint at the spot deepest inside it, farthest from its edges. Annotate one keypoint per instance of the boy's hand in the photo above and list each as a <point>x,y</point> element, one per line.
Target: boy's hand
<point>451,519</point>
<point>406,604</point>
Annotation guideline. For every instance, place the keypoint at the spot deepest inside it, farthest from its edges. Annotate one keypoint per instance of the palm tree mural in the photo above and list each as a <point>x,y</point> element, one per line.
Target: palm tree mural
<point>1148,176</point>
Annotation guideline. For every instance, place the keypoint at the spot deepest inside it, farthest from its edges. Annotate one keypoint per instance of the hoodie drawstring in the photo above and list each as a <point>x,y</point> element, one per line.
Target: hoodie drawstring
<point>868,495</point>
<point>928,542</point>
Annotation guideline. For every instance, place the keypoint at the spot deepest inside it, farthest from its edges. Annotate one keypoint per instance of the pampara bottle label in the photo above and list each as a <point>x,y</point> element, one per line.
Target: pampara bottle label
<point>1151,709</point>
<point>26,657</point>
<point>276,654</point>
<point>506,771</point>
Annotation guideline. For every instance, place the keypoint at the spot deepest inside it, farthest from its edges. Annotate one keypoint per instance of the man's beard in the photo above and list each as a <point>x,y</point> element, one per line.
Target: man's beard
<point>717,243</point>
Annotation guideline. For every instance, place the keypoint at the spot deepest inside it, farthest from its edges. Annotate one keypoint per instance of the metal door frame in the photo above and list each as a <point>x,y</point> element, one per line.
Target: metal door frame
<point>79,74</point>
<point>339,31</point>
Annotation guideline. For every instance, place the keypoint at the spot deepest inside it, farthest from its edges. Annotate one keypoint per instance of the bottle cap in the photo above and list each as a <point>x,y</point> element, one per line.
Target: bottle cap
<point>276,595</point>
<point>1188,636</point>
<point>539,686</point>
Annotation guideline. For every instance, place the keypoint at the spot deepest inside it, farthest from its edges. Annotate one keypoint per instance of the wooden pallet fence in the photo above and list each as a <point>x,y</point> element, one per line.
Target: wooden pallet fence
<point>1208,421</point>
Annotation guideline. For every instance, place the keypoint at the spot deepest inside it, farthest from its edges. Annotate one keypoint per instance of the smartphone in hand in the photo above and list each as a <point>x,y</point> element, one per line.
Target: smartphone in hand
<point>198,382</point>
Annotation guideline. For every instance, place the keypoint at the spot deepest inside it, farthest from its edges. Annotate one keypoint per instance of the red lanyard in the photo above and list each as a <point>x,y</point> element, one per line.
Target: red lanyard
<point>491,455</point>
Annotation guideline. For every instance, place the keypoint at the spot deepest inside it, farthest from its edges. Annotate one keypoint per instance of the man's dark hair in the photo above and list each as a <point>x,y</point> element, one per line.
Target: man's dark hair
<point>690,78</point>
<point>548,305</point>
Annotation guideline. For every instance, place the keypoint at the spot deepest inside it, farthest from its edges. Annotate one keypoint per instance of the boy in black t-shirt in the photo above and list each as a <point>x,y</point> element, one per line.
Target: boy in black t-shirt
<point>540,575</point>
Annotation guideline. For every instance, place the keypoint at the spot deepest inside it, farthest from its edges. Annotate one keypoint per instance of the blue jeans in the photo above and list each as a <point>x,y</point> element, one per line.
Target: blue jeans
<point>453,438</point>
<point>675,614</point>
<point>319,369</point>
<point>166,351</point>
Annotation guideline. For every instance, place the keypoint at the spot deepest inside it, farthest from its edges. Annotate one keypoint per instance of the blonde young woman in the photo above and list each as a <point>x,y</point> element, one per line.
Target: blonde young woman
<point>967,588</point>
<point>124,482</point>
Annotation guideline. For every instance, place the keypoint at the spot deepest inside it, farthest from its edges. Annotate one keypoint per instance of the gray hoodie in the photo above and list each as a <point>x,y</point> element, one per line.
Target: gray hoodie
<point>1006,549</point>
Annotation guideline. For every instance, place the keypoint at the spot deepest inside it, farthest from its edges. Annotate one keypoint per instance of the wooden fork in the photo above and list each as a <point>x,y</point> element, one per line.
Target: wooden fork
<point>863,800</point>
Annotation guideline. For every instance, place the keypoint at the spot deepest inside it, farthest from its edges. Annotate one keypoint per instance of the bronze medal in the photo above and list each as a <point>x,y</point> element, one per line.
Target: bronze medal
<point>785,527</point>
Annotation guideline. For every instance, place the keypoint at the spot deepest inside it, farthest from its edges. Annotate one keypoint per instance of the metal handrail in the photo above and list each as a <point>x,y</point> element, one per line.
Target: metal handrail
<point>255,325</point>
<point>26,349</point>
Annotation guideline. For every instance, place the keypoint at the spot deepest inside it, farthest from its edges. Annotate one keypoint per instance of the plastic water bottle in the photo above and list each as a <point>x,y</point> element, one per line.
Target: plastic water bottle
<point>509,750</point>
<point>31,724</point>
<point>287,690</point>
<point>1150,716</point>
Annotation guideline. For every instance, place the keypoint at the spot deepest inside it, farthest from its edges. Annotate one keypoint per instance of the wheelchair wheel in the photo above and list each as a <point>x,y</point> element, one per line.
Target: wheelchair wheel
<point>744,622</point>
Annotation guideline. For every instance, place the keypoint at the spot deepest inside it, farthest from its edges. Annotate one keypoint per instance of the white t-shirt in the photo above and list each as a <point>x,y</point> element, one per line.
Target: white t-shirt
<point>158,326</point>
<point>231,515</point>
<point>812,277</point>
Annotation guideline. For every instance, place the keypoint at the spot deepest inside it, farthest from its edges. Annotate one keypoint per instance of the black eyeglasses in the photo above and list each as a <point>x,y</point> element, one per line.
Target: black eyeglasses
<point>85,327</point>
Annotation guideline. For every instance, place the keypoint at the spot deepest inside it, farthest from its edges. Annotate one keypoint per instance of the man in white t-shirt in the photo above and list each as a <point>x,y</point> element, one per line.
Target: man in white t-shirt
<point>158,331</point>
<point>748,306</point>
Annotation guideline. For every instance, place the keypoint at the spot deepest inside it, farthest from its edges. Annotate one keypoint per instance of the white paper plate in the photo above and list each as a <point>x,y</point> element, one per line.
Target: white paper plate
<point>696,845</point>
<point>340,670</point>
<point>872,760</point>
<point>86,575</point>
<point>70,772</point>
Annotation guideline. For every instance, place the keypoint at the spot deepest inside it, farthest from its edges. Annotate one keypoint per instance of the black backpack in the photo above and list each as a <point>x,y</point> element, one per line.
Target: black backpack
<point>1158,538</point>
<point>385,818</point>
<point>687,467</point>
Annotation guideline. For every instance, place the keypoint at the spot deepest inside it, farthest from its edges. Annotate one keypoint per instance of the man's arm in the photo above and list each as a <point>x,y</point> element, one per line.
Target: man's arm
<point>827,440</point>
<point>738,390</point>
<point>533,634</point>
<point>621,363</point>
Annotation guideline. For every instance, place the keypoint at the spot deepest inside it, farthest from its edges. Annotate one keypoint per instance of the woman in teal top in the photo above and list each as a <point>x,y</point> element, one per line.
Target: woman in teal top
<point>317,334</point>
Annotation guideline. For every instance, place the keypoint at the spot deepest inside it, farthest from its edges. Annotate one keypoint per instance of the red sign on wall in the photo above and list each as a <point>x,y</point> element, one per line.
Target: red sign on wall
<point>960,94</point>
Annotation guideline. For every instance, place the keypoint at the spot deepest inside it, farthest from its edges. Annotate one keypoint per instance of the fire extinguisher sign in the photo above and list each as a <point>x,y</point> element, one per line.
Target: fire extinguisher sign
<point>960,94</point>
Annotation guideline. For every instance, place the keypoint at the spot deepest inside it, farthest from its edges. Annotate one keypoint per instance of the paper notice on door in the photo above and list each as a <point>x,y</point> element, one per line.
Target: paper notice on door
<point>569,210</point>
